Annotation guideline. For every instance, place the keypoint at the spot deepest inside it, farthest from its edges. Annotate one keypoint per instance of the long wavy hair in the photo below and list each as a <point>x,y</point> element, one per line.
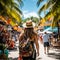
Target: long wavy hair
<point>29,33</point>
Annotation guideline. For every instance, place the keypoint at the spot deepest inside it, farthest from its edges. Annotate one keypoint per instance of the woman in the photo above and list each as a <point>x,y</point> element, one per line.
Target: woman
<point>30,37</point>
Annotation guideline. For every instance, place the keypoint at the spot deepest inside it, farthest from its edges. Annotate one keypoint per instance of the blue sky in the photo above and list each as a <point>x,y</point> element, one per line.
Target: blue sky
<point>30,5</point>
<point>30,8</point>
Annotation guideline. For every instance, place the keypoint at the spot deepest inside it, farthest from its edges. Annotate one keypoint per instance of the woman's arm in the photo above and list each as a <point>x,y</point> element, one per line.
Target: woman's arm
<point>20,36</point>
<point>37,44</point>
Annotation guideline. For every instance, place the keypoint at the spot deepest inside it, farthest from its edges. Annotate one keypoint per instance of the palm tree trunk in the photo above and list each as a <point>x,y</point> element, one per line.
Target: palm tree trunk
<point>58,29</point>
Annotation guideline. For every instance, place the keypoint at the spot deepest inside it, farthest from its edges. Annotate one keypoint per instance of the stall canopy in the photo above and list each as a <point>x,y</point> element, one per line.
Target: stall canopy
<point>55,29</point>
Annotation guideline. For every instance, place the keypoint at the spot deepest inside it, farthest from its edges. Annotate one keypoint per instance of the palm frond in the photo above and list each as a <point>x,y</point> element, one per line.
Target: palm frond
<point>15,4</point>
<point>41,9</point>
<point>15,15</point>
<point>20,2</point>
<point>13,12</point>
<point>48,4</point>
<point>17,8</point>
<point>38,2</point>
<point>49,13</point>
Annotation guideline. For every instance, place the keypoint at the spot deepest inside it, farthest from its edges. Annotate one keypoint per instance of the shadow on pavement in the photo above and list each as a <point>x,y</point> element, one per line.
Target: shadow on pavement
<point>54,55</point>
<point>13,58</point>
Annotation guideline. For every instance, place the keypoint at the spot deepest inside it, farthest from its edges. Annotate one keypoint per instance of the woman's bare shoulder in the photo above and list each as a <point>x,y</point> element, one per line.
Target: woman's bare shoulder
<point>21,34</point>
<point>35,33</point>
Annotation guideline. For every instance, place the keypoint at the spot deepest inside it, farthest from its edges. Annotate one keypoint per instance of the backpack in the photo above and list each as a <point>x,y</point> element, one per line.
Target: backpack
<point>26,47</point>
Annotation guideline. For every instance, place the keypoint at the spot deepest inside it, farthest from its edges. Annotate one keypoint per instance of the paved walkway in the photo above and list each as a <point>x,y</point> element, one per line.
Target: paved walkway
<point>54,54</point>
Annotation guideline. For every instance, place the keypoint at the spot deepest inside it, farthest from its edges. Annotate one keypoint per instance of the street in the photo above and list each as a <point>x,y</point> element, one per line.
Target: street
<point>54,54</point>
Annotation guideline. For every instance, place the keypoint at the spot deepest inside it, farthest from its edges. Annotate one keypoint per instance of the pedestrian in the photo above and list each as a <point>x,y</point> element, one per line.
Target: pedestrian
<point>45,37</point>
<point>26,42</point>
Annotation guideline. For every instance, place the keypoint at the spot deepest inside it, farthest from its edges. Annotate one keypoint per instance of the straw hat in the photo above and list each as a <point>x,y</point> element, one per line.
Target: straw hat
<point>29,24</point>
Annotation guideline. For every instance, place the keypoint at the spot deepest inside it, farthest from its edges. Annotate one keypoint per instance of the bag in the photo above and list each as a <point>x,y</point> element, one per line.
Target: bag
<point>26,48</point>
<point>34,55</point>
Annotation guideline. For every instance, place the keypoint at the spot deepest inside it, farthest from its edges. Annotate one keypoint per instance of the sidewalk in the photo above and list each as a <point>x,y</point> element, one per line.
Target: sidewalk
<point>54,54</point>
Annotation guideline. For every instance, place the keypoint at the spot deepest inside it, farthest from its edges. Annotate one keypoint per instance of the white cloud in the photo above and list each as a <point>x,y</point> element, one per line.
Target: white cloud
<point>24,12</point>
<point>29,14</point>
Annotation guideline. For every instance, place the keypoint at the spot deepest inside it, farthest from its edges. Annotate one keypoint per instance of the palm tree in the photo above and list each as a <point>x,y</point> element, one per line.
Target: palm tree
<point>54,7</point>
<point>11,9</point>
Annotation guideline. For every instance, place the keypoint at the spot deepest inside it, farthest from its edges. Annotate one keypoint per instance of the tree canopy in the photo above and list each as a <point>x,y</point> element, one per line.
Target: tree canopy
<point>11,8</point>
<point>53,6</point>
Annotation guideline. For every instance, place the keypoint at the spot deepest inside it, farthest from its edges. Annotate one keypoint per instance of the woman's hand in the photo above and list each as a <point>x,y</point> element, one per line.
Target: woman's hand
<point>37,53</point>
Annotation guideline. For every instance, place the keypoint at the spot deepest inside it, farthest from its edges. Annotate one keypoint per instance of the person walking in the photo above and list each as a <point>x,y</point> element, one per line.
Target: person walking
<point>45,37</point>
<point>27,40</point>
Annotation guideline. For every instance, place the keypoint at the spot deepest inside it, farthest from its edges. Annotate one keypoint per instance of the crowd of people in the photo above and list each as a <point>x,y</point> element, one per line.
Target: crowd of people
<point>28,41</point>
<point>7,40</point>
